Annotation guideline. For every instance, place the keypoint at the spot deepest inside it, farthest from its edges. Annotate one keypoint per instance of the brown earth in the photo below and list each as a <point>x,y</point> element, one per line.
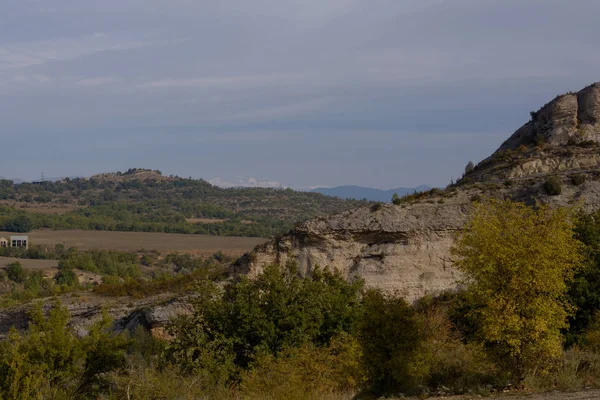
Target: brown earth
<point>29,264</point>
<point>134,241</point>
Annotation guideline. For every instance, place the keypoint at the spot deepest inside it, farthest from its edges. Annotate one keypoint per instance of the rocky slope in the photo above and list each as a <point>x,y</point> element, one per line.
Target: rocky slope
<point>153,313</point>
<point>405,247</point>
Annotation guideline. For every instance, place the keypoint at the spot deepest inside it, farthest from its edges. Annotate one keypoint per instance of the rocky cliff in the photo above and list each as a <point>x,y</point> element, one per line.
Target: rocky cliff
<point>405,247</point>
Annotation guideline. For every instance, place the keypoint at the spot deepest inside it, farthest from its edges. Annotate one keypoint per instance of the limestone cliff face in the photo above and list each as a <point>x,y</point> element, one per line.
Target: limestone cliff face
<point>405,248</point>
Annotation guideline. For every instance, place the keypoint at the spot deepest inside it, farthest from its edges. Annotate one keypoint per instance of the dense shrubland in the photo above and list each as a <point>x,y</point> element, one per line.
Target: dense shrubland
<point>138,275</point>
<point>528,319</point>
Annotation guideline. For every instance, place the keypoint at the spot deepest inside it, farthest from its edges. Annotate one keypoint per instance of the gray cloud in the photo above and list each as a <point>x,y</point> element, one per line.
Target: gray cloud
<point>320,92</point>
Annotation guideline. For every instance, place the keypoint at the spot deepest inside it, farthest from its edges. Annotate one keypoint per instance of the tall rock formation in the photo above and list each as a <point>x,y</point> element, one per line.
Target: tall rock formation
<point>405,247</point>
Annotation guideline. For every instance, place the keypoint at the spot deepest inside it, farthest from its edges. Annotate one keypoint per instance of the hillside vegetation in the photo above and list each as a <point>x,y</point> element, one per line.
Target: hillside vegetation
<point>284,336</point>
<point>144,200</point>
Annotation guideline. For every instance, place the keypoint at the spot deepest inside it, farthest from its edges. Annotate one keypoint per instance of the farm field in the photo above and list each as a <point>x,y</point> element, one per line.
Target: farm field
<point>30,264</point>
<point>134,241</point>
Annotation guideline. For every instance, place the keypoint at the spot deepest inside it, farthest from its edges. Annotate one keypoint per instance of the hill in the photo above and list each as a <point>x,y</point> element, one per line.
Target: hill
<point>552,159</point>
<point>145,200</point>
<point>360,192</point>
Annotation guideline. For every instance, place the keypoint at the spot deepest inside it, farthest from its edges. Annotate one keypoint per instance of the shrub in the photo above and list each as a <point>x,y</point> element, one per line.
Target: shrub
<point>452,362</point>
<point>578,369</point>
<point>584,290</point>
<point>50,361</point>
<point>476,198</point>
<point>67,277</point>
<point>391,336</point>
<point>540,140</point>
<point>306,372</point>
<point>148,383</point>
<point>469,168</point>
<point>278,309</point>
<point>553,186</point>
<point>16,272</point>
<point>19,224</point>
<point>377,206</point>
<point>578,179</point>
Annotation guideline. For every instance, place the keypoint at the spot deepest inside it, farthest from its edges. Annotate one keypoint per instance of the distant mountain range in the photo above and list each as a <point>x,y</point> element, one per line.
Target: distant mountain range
<point>359,192</point>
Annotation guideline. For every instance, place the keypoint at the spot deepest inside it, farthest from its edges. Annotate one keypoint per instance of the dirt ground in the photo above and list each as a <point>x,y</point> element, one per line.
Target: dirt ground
<point>29,264</point>
<point>134,241</point>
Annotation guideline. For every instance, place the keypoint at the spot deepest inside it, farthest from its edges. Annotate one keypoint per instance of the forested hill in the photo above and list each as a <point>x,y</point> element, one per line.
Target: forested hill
<point>145,200</point>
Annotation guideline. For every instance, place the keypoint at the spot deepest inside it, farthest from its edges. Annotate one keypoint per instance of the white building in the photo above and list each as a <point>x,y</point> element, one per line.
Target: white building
<point>19,241</point>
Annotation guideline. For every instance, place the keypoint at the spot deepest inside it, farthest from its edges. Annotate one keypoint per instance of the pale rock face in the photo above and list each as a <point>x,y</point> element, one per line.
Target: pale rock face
<point>557,120</point>
<point>404,250</point>
<point>554,165</point>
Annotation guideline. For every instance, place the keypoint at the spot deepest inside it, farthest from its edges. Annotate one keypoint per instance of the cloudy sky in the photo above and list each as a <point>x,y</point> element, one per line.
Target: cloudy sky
<point>381,93</point>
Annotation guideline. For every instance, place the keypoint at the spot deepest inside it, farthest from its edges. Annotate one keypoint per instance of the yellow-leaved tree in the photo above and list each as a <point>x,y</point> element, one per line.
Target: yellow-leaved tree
<point>517,261</point>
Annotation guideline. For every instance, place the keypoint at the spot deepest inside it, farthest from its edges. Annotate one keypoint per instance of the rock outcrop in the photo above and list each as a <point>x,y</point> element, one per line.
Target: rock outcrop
<point>405,248</point>
<point>570,118</point>
<point>392,247</point>
<point>153,314</point>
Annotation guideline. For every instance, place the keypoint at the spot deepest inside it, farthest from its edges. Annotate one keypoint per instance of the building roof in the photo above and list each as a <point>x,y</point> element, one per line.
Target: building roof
<point>19,238</point>
<point>3,239</point>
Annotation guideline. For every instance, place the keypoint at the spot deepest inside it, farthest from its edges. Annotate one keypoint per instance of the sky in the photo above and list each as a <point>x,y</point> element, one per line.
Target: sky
<point>379,93</point>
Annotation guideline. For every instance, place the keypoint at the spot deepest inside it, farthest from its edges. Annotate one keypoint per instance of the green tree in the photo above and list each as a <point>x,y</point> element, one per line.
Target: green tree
<point>469,168</point>
<point>517,261</point>
<point>584,290</point>
<point>50,361</point>
<point>391,336</point>
<point>16,272</point>
<point>553,186</point>
<point>66,276</point>
<point>278,309</point>
<point>19,223</point>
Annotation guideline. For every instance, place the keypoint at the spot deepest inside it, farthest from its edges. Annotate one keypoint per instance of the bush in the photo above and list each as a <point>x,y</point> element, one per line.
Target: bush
<point>469,168</point>
<point>50,361</point>
<point>18,224</point>
<point>553,186</point>
<point>16,272</point>
<point>306,372</point>
<point>578,179</point>
<point>278,309</point>
<point>67,277</point>
<point>476,198</point>
<point>391,336</point>
<point>452,362</point>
